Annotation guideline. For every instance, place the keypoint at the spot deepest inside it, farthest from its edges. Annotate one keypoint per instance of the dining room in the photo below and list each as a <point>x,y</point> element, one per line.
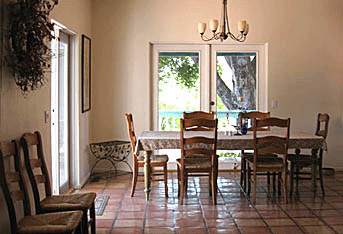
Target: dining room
<point>298,74</point>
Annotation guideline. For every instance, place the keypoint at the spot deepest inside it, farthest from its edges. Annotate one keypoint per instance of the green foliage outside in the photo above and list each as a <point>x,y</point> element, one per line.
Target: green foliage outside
<point>182,68</point>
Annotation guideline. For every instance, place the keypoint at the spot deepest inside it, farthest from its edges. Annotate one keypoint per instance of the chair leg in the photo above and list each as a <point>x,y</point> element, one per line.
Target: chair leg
<point>297,171</point>
<point>249,180</point>
<point>185,183</point>
<point>134,178</point>
<point>243,173</point>
<point>93,217</point>
<point>210,183</point>
<point>182,186</point>
<point>214,187</point>
<point>291,176</point>
<point>255,185</point>
<point>274,182</point>
<point>268,181</point>
<point>178,180</point>
<point>279,183</point>
<point>165,170</point>
<point>284,181</point>
<point>320,171</point>
<point>85,222</point>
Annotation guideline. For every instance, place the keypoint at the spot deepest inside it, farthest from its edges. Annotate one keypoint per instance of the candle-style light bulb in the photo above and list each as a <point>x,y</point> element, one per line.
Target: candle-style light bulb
<point>241,25</point>
<point>201,27</point>
<point>213,25</point>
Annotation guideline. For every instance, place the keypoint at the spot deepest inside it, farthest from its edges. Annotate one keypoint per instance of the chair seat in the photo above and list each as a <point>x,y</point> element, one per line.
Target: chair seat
<point>267,162</point>
<point>195,163</point>
<point>60,222</point>
<point>79,201</point>
<point>301,158</point>
<point>155,158</point>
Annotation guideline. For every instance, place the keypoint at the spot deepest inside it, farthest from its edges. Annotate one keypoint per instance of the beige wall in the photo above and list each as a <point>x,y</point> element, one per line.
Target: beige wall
<point>305,57</point>
<point>21,113</point>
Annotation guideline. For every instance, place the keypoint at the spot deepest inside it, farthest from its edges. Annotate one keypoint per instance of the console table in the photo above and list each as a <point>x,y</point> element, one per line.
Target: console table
<point>111,151</point>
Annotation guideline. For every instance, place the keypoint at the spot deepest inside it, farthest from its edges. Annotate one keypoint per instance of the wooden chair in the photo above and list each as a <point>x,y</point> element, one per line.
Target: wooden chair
<point>198,154</point>
<point>275,145</point>
<point>244,155</point>
<point>300,161</point>
<point>138,161</point>
<point>197,115</point>
<point>38,174</point>
<point>14,190</point>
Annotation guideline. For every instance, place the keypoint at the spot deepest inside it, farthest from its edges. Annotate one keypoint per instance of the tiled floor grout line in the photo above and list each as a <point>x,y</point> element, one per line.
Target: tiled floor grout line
<point>319,217</point>
<point>288,215</point>
<point>201,208</point>
<point>120,205</point>
<point>229,211</point>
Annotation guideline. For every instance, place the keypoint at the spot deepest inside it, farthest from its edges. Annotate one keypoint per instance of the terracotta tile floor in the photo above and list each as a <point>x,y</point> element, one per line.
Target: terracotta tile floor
<point>233,214</point>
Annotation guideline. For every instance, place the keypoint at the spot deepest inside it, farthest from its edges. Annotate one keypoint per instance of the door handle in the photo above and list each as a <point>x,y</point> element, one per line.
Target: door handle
<point>212,103</point>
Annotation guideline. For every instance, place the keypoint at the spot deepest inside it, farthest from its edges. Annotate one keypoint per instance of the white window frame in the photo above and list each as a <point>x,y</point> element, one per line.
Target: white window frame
<point>204,54</point>
<point>261,70</point>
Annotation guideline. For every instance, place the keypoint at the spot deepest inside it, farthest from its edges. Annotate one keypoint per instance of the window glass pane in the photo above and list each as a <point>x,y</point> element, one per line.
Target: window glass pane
<point>178,87</point>
<point>236,86</point>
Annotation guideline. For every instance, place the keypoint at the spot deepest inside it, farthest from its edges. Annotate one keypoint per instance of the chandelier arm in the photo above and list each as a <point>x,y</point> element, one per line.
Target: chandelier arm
<point>214,36</point>
<point>239,38</point>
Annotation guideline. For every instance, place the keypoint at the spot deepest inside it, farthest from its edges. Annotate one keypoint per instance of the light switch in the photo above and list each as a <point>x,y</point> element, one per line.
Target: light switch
<point>275,104</point>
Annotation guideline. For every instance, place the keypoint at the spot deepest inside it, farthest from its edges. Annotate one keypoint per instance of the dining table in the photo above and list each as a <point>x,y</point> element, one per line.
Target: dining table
<point>149,141</point>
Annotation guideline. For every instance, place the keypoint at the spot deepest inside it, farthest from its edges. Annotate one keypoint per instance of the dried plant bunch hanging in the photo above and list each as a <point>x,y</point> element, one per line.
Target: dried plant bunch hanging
<point>30,32</point>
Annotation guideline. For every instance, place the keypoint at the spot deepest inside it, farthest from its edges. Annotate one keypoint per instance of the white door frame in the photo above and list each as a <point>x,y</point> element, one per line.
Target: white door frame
<point>74,146</point>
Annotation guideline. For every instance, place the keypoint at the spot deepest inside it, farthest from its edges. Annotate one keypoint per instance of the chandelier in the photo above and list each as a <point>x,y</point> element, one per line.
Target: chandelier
<point>224,30</point>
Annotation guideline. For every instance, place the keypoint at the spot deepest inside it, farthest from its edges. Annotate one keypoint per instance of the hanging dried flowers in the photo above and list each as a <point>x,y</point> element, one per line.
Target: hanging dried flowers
<point>30,32</point>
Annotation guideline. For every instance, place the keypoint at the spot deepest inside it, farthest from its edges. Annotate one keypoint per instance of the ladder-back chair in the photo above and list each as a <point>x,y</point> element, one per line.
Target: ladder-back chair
<point>15,192</point>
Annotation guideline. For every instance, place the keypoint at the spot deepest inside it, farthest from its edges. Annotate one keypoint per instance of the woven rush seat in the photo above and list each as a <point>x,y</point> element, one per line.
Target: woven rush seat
<point>195,163</point>
<point>267,162</point>
<point>61,222</point>
<point>81,201</point>
<point>154,158</point>
<point>302,159</point>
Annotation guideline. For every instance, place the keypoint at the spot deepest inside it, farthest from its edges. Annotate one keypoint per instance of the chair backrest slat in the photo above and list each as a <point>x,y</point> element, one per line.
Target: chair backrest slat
<point>9,179</point>
<point>35,163</point>
<point>13,177</point>
<point>34,158</point>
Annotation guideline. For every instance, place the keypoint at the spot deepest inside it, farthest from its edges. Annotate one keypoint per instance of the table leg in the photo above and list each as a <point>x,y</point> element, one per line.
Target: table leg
<point>147,174</point>
<point>314,170</point>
